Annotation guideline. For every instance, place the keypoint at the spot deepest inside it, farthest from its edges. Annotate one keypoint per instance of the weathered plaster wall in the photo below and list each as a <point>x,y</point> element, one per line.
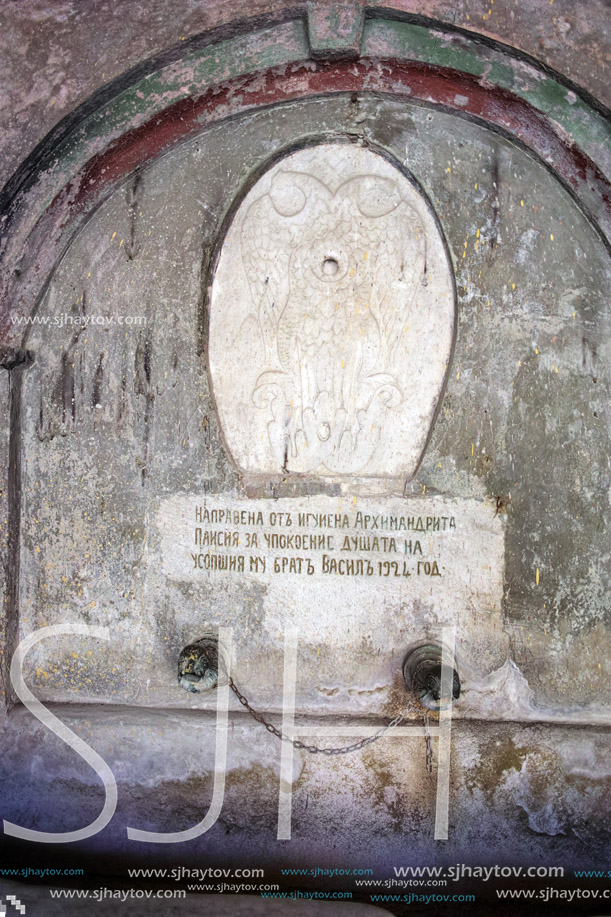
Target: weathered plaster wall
<point>119,431</point>
<point>523,794</point>
<point>56,55</point>
<point>119,419</point>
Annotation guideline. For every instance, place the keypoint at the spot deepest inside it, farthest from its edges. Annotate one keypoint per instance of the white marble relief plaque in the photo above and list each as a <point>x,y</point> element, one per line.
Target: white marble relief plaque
<point>332,317</point>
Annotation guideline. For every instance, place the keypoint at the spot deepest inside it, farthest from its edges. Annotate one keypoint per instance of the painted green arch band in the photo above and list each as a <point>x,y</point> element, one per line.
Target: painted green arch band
<point>288,43</point>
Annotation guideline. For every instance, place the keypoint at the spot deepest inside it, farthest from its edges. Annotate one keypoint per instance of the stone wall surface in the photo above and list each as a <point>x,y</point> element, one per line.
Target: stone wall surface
<point>320,357</point>
<point>56,55</point>
<point>117,420</point>
<point>517,794</point>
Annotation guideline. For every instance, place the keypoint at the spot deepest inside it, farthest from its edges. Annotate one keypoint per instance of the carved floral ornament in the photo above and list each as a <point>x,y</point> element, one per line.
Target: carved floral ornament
<point>332,316</point>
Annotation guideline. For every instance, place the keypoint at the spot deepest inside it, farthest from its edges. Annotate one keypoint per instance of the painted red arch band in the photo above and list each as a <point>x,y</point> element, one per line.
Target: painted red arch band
<point>452,90</point>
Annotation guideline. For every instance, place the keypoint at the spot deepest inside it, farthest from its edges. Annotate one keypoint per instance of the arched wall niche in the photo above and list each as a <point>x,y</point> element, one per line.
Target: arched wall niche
<point>144,391</point>
<point>115,433</point>
<point>133,128</point>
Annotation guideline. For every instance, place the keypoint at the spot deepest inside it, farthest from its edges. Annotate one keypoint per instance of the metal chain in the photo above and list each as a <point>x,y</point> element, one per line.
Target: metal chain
<point>429,745</point>
<point>313,749</point>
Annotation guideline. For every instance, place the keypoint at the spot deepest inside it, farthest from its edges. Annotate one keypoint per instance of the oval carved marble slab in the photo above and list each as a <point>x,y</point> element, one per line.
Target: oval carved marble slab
<point>332,316</point>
